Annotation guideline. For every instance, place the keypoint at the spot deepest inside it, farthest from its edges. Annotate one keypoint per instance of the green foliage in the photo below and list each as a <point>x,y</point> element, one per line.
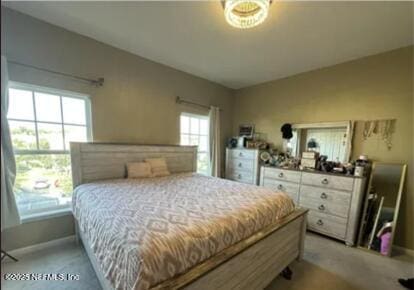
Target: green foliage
<point>55,168</point>
<point>202,163</point>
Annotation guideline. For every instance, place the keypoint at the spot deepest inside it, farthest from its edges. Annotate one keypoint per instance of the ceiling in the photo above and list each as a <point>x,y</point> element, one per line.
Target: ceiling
<point>194,37</point>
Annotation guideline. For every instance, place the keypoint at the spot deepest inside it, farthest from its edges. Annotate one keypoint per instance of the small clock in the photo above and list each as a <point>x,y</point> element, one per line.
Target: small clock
<point>265,156</point>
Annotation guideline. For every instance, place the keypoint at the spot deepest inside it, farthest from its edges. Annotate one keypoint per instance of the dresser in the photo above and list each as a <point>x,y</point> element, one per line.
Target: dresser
<point>242,165</point>
<point>334,201</point>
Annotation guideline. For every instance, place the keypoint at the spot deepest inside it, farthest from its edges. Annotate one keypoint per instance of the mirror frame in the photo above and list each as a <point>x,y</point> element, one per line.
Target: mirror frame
<point>349,125</point>
<point>397,206</point>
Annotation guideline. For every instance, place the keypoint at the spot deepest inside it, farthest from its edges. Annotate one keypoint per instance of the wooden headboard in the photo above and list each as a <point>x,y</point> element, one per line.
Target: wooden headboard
<point>98,161</point>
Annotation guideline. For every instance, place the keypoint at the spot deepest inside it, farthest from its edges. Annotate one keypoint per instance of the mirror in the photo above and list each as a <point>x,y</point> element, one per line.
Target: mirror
<point>331,139</point>
<point>382,203</point>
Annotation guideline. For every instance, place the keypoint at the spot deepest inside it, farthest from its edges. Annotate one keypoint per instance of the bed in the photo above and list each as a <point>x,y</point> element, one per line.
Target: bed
<point>184,231</point>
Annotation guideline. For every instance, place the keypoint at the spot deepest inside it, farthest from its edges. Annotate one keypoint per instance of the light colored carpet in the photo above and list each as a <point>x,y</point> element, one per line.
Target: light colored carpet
<point>327,265</point>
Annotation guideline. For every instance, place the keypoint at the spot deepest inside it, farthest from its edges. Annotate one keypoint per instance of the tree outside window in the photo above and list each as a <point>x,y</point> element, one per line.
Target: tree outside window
<point>42,123</point>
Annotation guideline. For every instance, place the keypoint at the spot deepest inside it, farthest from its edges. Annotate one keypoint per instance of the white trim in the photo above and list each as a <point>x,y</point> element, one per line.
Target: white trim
<point>199,116</point>
<point>47,90</point>
<point>349,137</point>
<point>402,250</point>
<point>60,93</point>
<point>198,135</point>
<point>46,215</point>
<point>321,125</point>
<point>42,246</point>
<point>88,120</point>
<point>34,119</point>
<point>46,122</point>
<point>51,212</point>
<point>40,152</point>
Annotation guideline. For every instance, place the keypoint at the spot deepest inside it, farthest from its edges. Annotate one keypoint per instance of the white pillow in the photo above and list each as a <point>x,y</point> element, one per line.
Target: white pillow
<point>158,167</point>
<point>139,170</point>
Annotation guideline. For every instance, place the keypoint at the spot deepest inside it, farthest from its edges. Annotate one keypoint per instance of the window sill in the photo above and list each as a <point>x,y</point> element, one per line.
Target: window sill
<point>45,215</point>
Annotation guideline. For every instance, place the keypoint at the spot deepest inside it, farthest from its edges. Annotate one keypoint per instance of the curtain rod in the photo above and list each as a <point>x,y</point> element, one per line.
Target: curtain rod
<point>179,100</point>
<point>98,82</point>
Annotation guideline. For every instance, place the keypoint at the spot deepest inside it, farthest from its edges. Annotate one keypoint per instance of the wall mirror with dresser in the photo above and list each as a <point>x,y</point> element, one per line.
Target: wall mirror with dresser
<point>334,199</point>
<point>331,139</point>
<point>341,204</point>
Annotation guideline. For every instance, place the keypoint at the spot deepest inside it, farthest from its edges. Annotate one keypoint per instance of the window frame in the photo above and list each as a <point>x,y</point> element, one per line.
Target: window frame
<point>53,211</point>
<point>204,117</point>
<point>61,94</point>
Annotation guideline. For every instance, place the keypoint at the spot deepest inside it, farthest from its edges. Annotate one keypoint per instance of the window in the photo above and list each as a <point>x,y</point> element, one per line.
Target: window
<point>42,123</point>
<point>194,130</point>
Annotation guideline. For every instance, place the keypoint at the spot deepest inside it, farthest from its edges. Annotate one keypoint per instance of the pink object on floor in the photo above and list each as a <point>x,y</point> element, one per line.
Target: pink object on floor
<point>385,243</point>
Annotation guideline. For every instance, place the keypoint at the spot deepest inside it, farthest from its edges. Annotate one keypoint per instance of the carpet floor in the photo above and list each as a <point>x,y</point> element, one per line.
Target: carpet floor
<point>327,264</point>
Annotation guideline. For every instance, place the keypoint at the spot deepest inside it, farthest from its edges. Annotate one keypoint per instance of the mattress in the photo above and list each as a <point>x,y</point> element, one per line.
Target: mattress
<point>145,231</point>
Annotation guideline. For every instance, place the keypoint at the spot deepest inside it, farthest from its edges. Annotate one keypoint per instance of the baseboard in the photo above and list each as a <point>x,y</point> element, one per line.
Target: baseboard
<point>42,246</point>
<point>404,251</point>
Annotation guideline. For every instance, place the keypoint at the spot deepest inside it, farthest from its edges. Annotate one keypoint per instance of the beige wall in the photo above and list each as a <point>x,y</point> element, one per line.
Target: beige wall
<point>37,232</point>
<point>374,87</point>
<point>136,103</point>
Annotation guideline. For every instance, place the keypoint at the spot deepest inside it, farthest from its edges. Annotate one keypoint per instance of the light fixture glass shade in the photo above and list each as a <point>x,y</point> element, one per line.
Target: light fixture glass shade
<point>246,13</point>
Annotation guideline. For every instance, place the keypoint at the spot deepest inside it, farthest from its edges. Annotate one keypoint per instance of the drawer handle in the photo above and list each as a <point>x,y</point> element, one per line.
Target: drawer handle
<point>241,154</point>
<point>325,181</point>
<point>321,207</point>
<point>319,223</point>
<point>240,165</point>
<point>280,187</point>
<point>324,196</point>
<point>281,174</point>
<point>239,176</point>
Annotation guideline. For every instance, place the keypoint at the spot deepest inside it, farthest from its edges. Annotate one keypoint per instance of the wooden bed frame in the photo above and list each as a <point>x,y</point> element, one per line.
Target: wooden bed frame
<point>250,264</point>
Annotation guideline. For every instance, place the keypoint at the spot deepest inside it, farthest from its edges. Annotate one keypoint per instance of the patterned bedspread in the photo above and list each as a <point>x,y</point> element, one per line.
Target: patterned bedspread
<point>145,231</point>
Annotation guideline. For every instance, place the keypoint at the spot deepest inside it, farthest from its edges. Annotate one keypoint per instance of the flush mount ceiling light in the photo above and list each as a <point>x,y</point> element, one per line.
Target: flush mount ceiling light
<point>246,13</point>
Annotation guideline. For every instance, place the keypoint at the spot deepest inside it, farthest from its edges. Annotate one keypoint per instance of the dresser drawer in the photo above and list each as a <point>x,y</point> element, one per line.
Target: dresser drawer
<point>323,206</point>
<point>241,176</point>
<point>328,181</point>
<point>282,174</point>
<point>240,153</point>
<point>326,224</point>
<point>242,164</point>
<point>326,195</point>
<point>290,189</point>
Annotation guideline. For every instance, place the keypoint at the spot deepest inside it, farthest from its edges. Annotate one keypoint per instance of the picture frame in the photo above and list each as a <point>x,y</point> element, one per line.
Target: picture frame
<point>246,130</point>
